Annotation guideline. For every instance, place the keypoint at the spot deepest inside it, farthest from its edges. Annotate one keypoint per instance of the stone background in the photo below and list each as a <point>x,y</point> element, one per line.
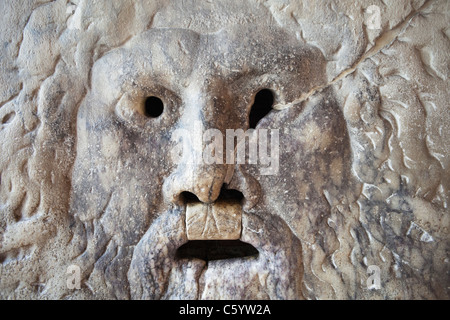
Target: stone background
<point>392,84</point>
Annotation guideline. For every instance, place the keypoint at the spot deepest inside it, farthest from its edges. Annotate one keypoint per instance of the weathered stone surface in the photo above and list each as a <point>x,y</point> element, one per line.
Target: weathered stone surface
<point>219,221</point>
<point>91,175</point>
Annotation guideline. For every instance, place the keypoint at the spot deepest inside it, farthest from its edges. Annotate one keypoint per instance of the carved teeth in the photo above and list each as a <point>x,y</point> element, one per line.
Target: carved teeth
<point>221,220</point>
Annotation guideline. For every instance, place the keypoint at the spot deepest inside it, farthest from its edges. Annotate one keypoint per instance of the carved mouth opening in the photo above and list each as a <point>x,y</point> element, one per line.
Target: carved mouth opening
<point>210,250</point>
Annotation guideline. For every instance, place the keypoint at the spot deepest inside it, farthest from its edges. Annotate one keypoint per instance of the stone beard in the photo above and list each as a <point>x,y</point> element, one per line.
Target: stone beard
<point>129,194</point>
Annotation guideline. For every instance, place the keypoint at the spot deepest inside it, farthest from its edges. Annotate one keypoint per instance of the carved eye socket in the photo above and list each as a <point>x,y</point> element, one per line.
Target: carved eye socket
<point>154,107</point>
<point>261,106</point>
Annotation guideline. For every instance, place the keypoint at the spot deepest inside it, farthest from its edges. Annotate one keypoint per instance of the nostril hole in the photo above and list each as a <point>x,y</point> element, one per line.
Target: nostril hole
<point>189,197</point>
<point>154,107</point>
<point>261,107</point>
<point>209,250</point>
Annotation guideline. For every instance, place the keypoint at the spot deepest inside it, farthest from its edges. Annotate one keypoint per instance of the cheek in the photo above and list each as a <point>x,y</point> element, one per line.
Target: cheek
<point>314,138</point>
<point>316,144</point>
<point>111,144</point>
<point>117,179</point>
<point>128,156</point>
<point>315,165</point>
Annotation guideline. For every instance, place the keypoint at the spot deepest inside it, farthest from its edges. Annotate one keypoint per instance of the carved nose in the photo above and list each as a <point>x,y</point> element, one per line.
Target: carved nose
<point>201,176</point>
<point>196,172</point>
<point>212,211</point>
<point>200,168</point>
<point>203,181</point>
<point>193,178</point>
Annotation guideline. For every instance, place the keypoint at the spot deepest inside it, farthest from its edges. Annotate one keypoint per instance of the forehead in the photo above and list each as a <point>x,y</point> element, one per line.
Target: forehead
<point>174,56</point>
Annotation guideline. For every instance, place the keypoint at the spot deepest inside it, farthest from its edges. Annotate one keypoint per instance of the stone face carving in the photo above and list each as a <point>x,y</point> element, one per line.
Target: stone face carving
<point>347,173</point>
<point>203,81</point>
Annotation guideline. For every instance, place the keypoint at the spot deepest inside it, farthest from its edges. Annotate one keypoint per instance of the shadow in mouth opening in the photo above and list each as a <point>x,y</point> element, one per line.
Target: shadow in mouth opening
<point>210,250</point>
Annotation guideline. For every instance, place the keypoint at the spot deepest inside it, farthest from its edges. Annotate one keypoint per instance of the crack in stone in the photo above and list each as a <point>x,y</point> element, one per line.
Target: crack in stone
<point>383,41</point>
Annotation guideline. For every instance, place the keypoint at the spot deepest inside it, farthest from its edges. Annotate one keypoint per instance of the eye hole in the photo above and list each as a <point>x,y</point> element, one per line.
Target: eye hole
<point>261,106</point>
<point>154,107</point>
